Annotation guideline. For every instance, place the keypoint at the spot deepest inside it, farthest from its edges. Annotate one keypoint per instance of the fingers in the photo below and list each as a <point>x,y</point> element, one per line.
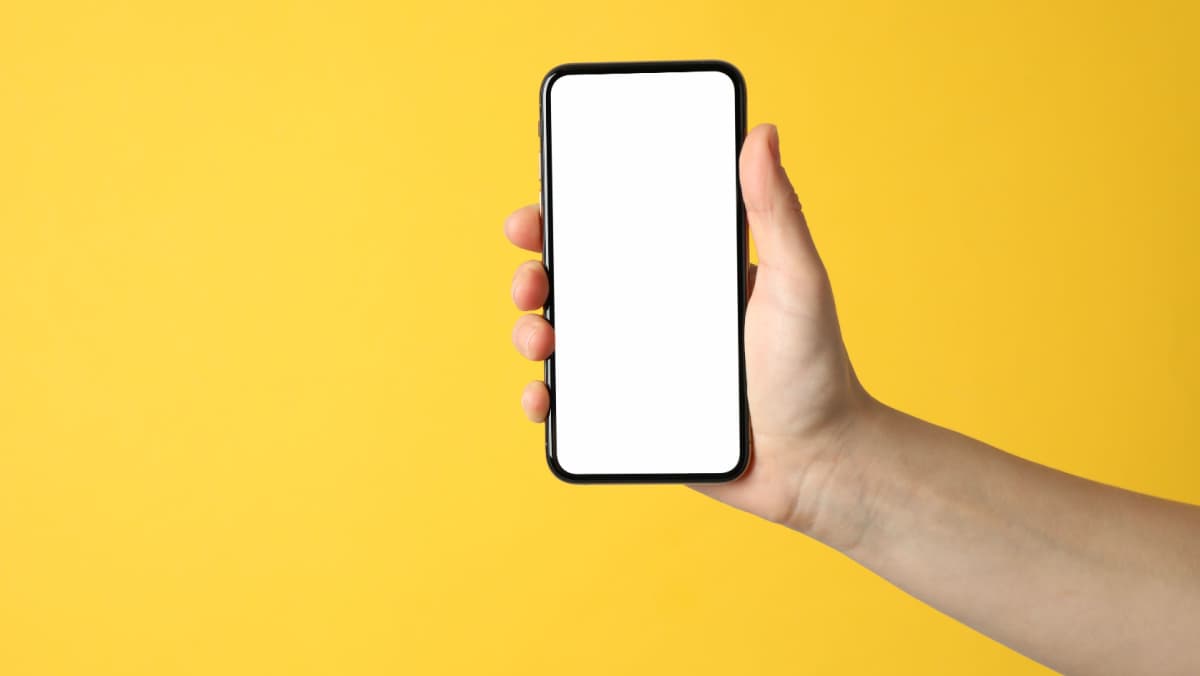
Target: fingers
<point>772,208</point>
<point>524,228</point>
<point>533,337</point>
<point>536,401</point>
<point>530,286</point>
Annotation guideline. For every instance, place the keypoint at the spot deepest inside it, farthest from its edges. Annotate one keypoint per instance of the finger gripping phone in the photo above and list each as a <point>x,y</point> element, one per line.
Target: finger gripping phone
<point>645,244</point>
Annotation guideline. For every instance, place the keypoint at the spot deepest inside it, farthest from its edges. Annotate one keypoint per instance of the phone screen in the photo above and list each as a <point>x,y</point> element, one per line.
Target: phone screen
<point>644,244</point>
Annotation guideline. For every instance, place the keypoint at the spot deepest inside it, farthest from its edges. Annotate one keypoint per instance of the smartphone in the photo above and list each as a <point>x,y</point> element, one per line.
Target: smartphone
<point>645,244</point>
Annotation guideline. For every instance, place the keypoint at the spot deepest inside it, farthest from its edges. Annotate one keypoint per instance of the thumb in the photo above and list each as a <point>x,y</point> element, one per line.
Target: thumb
<point>772,208</point>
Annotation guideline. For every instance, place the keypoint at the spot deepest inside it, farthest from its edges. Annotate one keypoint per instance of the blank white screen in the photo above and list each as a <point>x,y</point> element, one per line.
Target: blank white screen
<point>644,225</point>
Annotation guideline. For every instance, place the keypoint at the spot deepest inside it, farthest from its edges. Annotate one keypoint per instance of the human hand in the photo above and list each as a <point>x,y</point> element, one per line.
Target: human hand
<point>803,394</point>
<point>1083,577</point>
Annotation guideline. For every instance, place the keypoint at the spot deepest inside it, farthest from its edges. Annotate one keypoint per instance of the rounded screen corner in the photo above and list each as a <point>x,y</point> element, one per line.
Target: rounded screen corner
<point>731,71</point>
<point>732,474</point>
<point>562,473</point>
<point>553,75</point>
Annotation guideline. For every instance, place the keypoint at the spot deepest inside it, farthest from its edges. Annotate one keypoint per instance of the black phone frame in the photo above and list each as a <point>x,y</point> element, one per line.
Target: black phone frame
<point>546,177</point>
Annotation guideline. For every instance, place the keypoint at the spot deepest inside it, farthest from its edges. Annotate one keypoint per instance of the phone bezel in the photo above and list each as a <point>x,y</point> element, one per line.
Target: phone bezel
<point>739,131</point>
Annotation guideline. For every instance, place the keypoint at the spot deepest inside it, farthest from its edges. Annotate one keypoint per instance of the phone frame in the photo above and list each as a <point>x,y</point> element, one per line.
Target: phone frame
<point>546,178</point>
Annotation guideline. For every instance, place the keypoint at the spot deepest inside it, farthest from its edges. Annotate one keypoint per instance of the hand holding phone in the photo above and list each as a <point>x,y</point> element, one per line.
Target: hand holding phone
<point>800,387</point>
<point>951,520</point>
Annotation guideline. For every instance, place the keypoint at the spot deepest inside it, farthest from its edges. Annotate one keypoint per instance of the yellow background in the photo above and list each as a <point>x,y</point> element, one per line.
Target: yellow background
<point>258,406</point>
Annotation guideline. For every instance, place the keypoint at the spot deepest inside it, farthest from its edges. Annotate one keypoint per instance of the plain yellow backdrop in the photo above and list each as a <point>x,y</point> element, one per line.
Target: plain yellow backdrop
<point>258,406</point>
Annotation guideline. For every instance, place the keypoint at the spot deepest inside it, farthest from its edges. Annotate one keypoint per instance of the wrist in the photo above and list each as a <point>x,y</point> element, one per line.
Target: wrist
<point>840,493</point>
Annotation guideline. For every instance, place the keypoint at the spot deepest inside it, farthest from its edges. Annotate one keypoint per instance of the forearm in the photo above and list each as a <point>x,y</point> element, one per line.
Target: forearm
<point>1083,577</point>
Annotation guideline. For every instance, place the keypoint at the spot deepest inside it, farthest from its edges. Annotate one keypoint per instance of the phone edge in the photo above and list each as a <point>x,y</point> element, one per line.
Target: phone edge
<point>546,207</point>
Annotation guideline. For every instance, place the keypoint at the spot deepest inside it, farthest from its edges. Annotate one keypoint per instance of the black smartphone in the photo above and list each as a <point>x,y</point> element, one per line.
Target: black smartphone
<point>645,243</point>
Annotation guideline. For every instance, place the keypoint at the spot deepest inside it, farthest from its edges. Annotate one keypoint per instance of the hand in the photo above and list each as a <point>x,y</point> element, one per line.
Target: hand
<point>804,396</point>
<point>1083,577</point>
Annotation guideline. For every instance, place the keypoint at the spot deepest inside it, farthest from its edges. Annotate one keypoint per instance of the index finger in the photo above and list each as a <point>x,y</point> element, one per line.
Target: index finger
<point>524,227</point>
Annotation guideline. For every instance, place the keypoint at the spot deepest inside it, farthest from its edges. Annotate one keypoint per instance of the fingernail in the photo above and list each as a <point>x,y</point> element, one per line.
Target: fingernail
<point>773,143</point>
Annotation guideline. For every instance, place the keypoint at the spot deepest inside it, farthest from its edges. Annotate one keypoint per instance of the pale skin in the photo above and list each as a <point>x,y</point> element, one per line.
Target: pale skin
<point>1083,577</point>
